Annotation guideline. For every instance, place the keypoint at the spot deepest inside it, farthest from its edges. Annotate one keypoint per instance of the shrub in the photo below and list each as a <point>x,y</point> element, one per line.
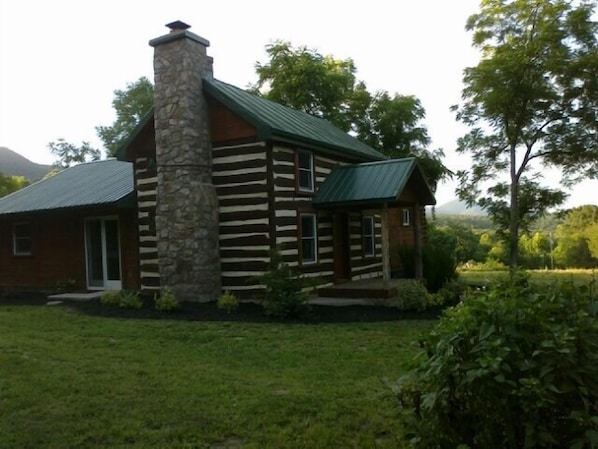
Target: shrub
<point>284,295</point>
<point>451,294</point>
<point>166,301</point>
<point>412,296</point>
<point>130,300</point>
<point>512,368</point>
<point>110,298</point>
<point>228,301</point>
<point>438,259</point>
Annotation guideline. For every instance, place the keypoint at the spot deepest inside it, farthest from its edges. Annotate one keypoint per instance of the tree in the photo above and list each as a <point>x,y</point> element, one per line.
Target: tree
<point>131,106</point>
<point>9,184</point>
<point>326,87</point>
<point>531,99</point>
<point>69,154</point>
<point>577,239</point>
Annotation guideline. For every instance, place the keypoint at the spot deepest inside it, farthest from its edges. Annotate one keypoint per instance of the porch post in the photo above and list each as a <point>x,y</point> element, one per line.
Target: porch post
<point>417,223</point>
<point>385,246</point>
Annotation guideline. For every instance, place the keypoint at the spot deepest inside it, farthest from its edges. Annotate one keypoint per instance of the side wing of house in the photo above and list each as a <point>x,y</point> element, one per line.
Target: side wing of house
<point>76,230</point>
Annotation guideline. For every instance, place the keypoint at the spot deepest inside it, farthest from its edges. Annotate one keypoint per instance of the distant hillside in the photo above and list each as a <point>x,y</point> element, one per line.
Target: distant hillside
<point>13,164</point>
<point>457,207</point>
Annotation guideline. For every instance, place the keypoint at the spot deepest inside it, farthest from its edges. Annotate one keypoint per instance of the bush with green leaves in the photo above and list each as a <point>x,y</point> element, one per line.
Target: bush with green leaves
<point>127,299</point>
<point>166,301</point>
<point>510,368</point>
<point>228,301</point>
<point>284,293</point>
<point>412,296</point>
<point>451,294</point>
<point>438,259</point>
<point>110,298</point>
<point>130,299</point>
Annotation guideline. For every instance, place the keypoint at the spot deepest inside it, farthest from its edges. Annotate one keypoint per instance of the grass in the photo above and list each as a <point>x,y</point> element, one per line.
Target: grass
<point>577,276</point>
<point>72,380</point>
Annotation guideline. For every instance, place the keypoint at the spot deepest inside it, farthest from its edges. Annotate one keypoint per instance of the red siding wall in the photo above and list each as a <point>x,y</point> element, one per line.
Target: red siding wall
<point>58,249</point>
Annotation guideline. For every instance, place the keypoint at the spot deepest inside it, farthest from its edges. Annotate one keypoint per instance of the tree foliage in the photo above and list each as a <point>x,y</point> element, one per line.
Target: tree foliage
<point>326,87</point>
<point>9,184</point>
<point>577,238</point>
<point>131,106</point>
<point>511,368</point>
<point>68,154</point>
<point>532,98</point>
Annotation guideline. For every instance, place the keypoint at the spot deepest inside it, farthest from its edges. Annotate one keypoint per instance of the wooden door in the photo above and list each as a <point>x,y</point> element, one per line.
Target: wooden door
<point>342,248</point>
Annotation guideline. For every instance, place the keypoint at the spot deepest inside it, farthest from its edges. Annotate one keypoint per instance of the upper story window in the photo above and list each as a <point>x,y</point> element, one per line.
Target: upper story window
<point>309,238</point>
<point>21,239</point>
<point>369,243</point>
<point>305,171</point>
<point>406,217</point>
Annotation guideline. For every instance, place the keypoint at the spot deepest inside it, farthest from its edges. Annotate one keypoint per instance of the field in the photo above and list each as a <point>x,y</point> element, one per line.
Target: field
<point>69,379</point>
<point>578,277</point>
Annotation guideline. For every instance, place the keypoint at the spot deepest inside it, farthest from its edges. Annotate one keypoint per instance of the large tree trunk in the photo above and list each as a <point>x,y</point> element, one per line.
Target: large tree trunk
<point>514,217</point>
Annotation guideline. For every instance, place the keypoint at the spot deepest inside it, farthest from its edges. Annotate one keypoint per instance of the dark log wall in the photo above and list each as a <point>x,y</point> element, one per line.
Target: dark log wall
<point>290,203</point>
<point>241,180</point>
<point>146,182</point>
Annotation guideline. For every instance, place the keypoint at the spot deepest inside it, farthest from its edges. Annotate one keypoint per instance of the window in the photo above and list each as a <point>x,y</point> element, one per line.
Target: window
<point>369,244</point>
<point>305,171</point>
<point>309,238</point>
<point>406,217</point>
<point>21,239</point>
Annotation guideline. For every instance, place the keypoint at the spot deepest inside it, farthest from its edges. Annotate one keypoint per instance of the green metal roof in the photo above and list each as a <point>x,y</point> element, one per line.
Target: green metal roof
<point>91,184</point>
<point>275,121</point>
<point>372,183</point>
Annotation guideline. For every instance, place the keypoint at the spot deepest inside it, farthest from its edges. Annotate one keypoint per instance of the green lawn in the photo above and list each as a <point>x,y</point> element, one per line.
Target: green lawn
<point>579,277</point>
<point>69,380</point>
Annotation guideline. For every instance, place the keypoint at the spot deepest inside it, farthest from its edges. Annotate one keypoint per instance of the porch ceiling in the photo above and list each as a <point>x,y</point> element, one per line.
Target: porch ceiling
<point>373,184</point>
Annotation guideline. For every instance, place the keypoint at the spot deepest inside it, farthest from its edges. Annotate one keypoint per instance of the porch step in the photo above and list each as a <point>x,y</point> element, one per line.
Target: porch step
<point>366,288</point>
<point>86,296</point>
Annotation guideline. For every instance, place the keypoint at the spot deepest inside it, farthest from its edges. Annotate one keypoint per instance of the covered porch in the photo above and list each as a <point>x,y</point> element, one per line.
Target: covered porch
<point>397,191</point>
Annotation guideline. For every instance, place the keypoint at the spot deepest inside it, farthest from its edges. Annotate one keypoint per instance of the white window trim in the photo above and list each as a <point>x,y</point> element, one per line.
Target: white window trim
<point>15,239</point>
<point>371,237</point>
<point>310,170</point>
<point>406,217</point>
<point>314,238</point>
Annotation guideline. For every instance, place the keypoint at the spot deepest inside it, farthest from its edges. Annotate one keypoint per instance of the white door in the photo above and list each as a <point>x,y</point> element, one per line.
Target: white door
<point>102,248</point>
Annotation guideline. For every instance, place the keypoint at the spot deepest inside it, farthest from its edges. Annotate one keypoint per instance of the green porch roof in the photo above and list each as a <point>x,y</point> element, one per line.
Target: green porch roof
<point>274,121</point>
<point>92,184</point>
<point>373,183</point>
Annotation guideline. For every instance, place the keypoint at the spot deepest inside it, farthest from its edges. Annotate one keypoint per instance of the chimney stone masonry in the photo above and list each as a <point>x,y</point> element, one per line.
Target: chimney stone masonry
<point>187,205</point>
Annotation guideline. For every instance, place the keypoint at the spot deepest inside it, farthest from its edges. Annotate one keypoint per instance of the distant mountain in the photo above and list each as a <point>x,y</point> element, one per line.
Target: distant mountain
<point>13,164</point>
<point>457,207</point>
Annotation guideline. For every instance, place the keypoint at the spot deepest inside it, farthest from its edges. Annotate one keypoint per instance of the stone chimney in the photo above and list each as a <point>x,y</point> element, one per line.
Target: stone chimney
<point>187,205</point>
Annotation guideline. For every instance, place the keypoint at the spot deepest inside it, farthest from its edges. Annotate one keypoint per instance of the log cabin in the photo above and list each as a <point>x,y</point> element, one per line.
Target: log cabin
<point>211,180</point>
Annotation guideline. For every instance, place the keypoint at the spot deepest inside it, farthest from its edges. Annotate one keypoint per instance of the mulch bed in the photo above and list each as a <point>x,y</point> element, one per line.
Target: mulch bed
<point>247,312</point>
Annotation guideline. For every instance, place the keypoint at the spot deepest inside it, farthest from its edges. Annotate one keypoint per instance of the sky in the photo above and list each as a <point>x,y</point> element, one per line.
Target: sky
<point>61,60</point>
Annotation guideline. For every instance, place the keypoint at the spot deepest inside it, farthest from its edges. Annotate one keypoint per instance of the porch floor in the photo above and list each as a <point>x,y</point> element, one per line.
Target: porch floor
<point>361,289</point>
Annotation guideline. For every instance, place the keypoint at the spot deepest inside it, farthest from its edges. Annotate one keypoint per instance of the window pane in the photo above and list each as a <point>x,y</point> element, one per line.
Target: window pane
<point>308,238</point>
<point>307,226</point>
<point>305,180</point>
<point>368,236</point>
<point>305,161</point>
<point>308,250</point>
<point>305,172</point>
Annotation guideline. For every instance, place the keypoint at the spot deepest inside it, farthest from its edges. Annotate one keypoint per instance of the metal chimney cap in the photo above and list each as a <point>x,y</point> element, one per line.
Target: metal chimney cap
<point>178,25</point>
